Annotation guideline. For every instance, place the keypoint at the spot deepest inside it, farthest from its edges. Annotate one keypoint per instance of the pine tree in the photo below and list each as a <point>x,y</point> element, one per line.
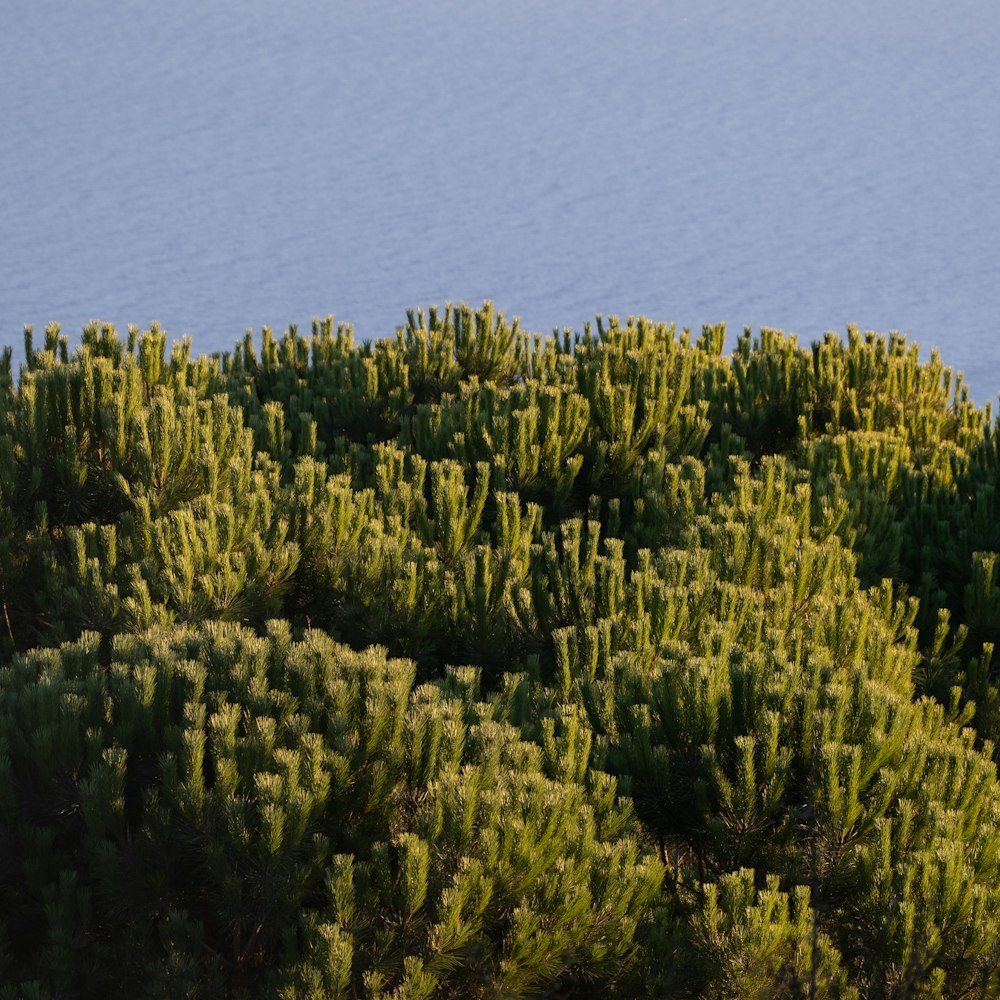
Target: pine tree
<point>478,663</point>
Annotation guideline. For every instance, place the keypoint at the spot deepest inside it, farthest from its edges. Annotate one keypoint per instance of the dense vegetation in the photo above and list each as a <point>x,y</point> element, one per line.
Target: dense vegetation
<point>471,663</point>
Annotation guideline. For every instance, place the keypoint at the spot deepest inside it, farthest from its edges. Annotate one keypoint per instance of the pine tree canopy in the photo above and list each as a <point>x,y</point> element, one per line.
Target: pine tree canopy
<point>476,663</point>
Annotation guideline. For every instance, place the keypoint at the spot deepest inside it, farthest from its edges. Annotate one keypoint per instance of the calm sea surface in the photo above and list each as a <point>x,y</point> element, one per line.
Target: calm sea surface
<point>218,166</point>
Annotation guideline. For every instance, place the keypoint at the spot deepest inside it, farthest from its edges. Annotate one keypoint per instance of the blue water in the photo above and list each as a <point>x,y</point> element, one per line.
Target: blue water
<point>221,166</point>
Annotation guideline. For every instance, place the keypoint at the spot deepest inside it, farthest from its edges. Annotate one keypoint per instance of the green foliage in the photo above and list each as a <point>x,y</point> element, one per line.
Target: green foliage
<point>728,716</point>
<point>278,815</point>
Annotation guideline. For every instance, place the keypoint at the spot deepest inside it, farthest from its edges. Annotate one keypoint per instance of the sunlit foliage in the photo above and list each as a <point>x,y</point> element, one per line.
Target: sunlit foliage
<point>477,663</point>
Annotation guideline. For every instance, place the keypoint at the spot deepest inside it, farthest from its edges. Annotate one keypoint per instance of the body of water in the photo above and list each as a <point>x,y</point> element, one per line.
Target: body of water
<point>221,166</point>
